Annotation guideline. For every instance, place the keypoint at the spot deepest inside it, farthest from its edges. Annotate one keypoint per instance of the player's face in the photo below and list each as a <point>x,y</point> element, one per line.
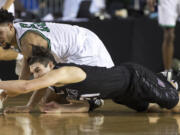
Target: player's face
<point>38,69</point>
<point>5,34</point>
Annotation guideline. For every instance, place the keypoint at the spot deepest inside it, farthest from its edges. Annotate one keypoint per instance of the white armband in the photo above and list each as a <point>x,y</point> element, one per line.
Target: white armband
<point>19,57</point>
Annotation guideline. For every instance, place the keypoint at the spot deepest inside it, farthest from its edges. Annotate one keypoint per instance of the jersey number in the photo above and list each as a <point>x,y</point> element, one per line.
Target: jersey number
<point>39,26</point>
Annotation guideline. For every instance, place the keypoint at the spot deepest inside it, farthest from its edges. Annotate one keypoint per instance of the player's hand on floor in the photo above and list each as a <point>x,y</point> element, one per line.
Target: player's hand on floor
<point>17,109</point>
<point>51,107</point>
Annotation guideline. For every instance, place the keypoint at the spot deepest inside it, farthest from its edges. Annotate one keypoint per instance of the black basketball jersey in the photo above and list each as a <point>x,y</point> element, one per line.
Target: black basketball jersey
<point>107,82</point>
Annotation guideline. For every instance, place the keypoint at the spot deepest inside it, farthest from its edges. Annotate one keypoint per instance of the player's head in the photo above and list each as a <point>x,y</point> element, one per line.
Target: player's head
<point>7,31</point>
<point>41,61</point>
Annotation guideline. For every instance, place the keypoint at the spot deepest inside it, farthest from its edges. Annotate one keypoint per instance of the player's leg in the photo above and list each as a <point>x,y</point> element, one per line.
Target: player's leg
<point>167,16</point>
<point>147,87</point>
<point>168,47</point>
<point>135,104</point>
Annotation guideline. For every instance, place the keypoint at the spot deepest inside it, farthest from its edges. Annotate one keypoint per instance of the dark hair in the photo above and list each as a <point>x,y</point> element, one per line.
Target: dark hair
<point>6,16</point>
<point>41,55</point>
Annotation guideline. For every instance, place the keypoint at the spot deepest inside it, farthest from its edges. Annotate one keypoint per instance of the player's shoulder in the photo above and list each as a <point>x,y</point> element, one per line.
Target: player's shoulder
<point>29,36</point>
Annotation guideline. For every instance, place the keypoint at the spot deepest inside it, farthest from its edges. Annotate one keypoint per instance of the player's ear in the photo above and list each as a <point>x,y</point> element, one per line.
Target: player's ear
<point>10,26</point>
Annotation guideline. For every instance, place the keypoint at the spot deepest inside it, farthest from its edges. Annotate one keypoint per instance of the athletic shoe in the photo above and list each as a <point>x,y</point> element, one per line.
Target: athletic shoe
<point>173,77</point>
<point>176,71</point>
<point>95,103</point>
<point>94,100</point>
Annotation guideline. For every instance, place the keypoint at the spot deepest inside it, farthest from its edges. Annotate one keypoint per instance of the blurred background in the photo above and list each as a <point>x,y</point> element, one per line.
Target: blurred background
<point>56,10</point>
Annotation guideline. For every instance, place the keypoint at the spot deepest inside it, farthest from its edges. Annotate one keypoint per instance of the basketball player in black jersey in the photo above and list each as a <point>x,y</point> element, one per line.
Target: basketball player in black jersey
<point>128,84</point>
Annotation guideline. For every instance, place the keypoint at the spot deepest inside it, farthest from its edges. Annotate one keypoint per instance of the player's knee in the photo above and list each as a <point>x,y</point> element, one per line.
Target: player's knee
<point>169,36</point>
<point>171,98</point>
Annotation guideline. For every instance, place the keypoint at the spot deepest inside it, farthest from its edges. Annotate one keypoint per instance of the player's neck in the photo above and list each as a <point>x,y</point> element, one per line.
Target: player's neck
<point>14,40</point>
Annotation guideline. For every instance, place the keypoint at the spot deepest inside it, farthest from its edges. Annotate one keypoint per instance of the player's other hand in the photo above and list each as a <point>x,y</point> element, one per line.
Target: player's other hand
<point>151,4</point>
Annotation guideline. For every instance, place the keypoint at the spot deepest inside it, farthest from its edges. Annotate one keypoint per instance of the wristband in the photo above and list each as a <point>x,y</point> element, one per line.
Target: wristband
<point>19,57</point>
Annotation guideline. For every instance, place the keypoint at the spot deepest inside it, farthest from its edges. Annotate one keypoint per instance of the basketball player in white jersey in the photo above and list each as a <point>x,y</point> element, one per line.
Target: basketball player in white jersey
<point>168,12</point>
<point>68,43</point>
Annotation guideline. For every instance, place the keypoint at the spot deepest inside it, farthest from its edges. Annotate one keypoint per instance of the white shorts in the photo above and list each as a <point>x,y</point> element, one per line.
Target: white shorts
<point>168,12</point>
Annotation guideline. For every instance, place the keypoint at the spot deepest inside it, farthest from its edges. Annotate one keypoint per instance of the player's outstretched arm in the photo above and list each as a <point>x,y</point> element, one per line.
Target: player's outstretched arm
<point>62,76</point>
<point>16,87</point>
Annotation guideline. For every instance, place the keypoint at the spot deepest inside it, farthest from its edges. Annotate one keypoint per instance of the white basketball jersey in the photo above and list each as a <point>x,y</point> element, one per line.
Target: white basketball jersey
<point>68,42</point>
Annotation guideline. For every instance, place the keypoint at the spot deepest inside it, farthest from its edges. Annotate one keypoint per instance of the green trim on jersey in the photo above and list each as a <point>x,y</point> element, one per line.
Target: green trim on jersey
<point>38,32</point>
<point>38,26</point>
<point>167,26</point>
